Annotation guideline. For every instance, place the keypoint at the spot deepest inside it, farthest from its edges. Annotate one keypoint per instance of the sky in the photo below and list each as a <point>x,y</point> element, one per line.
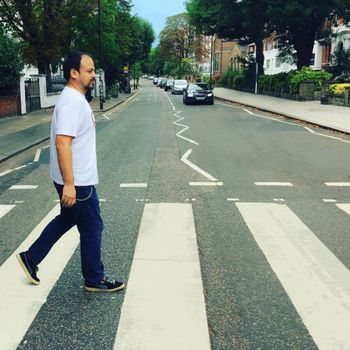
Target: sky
<point>156,11</point>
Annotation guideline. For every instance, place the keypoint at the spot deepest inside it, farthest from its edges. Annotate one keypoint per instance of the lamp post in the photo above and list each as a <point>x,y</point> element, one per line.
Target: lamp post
<point>100,53</point>
<point>211,61</point>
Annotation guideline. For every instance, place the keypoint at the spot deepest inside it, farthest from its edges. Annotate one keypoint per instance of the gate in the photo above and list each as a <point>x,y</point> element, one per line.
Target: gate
<point>32,94</point>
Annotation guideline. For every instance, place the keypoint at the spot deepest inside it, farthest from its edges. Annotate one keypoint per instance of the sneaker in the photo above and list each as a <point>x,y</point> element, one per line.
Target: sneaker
<point>28,267</point>
<point>107,284</point>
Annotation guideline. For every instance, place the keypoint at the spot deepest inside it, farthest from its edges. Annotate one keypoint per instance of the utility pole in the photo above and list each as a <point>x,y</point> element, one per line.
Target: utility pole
<point>100,53</point>
<point>211,61</point>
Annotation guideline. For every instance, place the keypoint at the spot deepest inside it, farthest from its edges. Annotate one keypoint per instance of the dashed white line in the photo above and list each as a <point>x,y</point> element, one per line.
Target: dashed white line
<point>24,187</point>
<point>337,184</point>
<point>133,185</point>
<point>11,170</point>
<point>233,199</point>
<point>329,200</point>
<point>282,184</point>
<point>37,155</point>
<point>206,183</point>
<point>195,167</point>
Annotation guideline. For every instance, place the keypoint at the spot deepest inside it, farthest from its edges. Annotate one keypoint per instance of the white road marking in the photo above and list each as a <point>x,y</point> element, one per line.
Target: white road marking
<point>337,184</point>
<point>328,136</point>
<point>37,155</point>
<point>104,115</point>
<point>185,128</point>
<point>279,200</point>
<point>19,202</point>
<point>23,187</point>
<point>206,183</point>
<point>19,301</point>
<point>11,170</point>
<point>47,146</point>
<point>4,209</point>
<point>133,185</point>
<point>195,167</point>
<point>345,207</point>
<point>102,200</point>
<point>329,200</point>
<point>283,184</point>
<point>164,306</point>
<point>233,199</point>
<point>317,283</point>
<point>248,111</point>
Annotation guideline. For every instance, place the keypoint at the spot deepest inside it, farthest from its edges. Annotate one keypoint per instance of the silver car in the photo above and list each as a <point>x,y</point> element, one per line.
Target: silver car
<point>179,86</point>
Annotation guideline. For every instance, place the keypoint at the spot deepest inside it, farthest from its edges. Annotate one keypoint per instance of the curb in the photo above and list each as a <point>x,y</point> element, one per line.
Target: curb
<point>24,148</point>
<point>286,115</point>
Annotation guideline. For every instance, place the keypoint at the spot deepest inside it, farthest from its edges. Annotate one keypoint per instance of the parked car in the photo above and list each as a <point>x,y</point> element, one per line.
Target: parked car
<point>169,84</point>
<point>159,81</point>
<point>179,86</point>
<point>163,82</point>
<point>198,93</point>
<point>155,80</point>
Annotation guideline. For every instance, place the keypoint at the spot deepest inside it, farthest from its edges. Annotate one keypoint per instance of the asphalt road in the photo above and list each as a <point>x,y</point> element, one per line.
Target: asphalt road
<point>273,238</point>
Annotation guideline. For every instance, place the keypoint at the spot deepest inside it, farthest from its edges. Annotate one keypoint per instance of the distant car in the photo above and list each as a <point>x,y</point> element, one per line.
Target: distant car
<point>169,84</point>
<point>198,93</point>
<point>179,86</point>
<point>155,80</point>
<point>163,82</point>
<point>159,81</point>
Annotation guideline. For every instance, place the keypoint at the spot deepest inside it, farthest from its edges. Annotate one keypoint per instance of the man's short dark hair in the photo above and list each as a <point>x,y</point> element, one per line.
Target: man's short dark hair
<point>72,61</point>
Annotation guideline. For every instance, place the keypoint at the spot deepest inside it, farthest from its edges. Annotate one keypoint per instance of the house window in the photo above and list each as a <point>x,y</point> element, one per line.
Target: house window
<point>278,63</point>
<point>312,60</point>
<point>270,46</point>
<point>268,64</point>
<point>251,49</point>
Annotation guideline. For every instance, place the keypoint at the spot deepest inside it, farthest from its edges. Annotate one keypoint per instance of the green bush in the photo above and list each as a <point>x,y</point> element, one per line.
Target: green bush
<point>307,74</point>
<point>230,79</point>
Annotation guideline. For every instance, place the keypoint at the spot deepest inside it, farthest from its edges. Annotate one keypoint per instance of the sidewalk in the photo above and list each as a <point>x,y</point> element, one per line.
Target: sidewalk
<point>19,133</point>
<point>331,117</point>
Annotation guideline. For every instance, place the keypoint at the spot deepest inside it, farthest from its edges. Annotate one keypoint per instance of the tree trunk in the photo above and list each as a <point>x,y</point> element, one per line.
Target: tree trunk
<point>304,44</point>
<point>259,55</point>
<point>44,66</point>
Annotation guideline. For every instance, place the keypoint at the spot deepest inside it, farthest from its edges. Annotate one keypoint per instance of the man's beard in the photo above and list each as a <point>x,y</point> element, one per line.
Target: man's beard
<point>90,86</point>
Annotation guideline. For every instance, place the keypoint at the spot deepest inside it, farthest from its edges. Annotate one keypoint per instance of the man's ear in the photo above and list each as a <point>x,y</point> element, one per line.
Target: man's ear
<point>73,73</point>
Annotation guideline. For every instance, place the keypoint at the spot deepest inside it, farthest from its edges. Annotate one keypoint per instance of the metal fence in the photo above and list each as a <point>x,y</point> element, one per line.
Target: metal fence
<point>32,93</point>
<point>55,83</point>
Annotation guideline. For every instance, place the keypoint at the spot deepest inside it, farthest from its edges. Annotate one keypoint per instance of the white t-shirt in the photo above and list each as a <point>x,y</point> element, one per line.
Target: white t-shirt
<point>73,117</point>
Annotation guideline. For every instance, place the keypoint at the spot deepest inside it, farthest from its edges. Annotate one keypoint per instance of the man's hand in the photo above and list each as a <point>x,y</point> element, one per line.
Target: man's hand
<point>68,196</point>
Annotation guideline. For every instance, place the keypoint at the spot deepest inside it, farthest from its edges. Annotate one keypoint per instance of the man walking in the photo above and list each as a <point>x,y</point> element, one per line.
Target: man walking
<point>73,169</point>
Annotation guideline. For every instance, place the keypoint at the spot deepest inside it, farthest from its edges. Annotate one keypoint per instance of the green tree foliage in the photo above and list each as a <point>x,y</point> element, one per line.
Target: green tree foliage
<point>298,21</point>
<point>11,62</point>
<point>43,26</point>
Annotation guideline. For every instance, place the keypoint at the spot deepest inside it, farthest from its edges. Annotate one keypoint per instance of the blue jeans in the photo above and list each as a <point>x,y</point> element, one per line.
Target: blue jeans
<point>86,215</point>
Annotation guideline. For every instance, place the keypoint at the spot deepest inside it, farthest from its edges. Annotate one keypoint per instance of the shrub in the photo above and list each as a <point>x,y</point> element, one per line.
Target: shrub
<point>307,74</point>
<point>338,89</point>
<point>230,79</point>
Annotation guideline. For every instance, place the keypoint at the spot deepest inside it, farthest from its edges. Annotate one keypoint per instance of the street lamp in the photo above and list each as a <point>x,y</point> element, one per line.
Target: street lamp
<point>100,53</point>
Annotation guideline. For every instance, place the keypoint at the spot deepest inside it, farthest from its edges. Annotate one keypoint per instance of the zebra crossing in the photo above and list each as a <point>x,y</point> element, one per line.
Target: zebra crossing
<point>169,312</point>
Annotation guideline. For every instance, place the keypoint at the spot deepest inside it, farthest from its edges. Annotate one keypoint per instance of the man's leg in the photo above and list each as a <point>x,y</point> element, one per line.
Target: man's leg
<point>90,226</point>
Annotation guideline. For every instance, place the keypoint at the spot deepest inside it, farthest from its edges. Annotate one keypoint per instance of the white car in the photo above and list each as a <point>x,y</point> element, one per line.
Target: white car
<point>179,86</point>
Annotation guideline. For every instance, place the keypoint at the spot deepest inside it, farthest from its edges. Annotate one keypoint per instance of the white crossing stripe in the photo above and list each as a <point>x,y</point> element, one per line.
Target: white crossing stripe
<point>164,304</point>
<point>24,187</point>
<point>4,209</point>
<point>337,184</point>
<point>215,183</point>
<point>283,184</point>
<point>133,185</point>
<point>20,301</point>
<point>37,155</point>
<point>317,283</point>
<point>345,207</point>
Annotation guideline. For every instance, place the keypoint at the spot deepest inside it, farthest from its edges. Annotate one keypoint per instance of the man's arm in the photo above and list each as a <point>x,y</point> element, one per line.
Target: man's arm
<point>64,155</point>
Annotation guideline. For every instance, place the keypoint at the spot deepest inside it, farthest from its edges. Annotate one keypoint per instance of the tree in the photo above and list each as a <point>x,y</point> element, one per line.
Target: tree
<point>11,62</point>
<point>298,22</point>
<point>244,21</point>
<point>43,26</point>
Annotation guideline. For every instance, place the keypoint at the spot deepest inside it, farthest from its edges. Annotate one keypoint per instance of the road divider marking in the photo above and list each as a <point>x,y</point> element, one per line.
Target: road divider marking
<point>4,209</point>
<point>323,135</point>
<point>282,184</point>
<point>206,183</point>
<point>317,283</point>
<point>337,184</point>
<point>185,128</point>
<point>133,185</point>
<point>233,199</point>
<point>24,187</point>
<point>15,169</point>
<point>20,301</point>
<point>164,306</point>
<point>279,200</point>
<point>345,207</point>
<point>104,116</point>
<point>184,159</point>
<point>329,200</point>
<point>37,155</point>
